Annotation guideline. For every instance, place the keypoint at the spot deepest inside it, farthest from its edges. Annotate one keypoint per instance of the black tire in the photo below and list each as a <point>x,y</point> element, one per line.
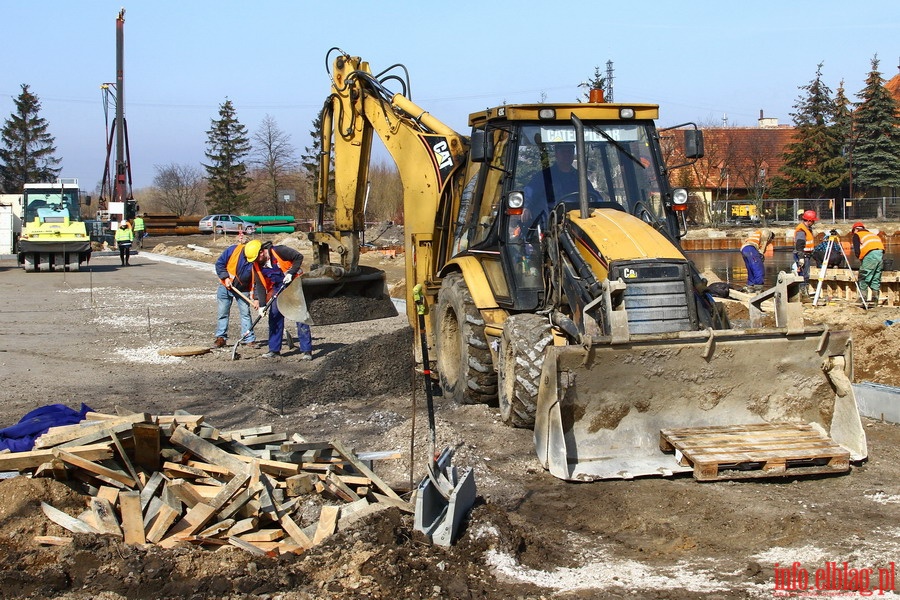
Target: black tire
<point>522,349</point>
<point>463,357</point>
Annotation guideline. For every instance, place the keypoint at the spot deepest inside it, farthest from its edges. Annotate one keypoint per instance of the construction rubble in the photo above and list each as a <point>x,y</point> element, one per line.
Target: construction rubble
<point>175,480</point>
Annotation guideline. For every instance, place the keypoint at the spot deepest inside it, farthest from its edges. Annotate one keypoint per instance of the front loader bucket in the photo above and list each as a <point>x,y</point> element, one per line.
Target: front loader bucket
<point>333,297</point>
<point>601,408</point>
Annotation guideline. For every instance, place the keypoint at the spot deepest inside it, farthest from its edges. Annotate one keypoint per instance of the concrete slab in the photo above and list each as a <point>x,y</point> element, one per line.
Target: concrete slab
<point>878,401</point>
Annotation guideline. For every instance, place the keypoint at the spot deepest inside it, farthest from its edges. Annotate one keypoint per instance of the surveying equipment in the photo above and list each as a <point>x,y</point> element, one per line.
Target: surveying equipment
<point>834,241</point>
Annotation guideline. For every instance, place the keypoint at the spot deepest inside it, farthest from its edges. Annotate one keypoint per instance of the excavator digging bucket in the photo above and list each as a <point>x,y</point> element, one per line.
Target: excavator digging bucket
<point>601,409</point>
<point>338,298</point>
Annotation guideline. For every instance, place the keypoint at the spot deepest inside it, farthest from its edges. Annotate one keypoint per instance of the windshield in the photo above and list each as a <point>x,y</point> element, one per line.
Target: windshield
<point>621,170</point>
<point>51,206</point>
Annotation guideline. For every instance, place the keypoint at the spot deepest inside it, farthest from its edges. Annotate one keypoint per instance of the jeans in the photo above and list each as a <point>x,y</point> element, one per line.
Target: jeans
<point>224,299</point>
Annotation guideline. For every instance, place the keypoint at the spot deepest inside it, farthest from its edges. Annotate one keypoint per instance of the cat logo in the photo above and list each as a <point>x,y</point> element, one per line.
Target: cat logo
<point>629,274</point>
<point>442,153</point>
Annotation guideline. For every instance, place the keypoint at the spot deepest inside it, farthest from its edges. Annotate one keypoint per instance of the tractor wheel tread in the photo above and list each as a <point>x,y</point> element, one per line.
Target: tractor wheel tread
<point>464,360</point>
<point>522,350</point>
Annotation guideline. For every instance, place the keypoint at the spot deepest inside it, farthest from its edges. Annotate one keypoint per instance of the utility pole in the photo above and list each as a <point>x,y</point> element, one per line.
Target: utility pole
<point>609,81</point>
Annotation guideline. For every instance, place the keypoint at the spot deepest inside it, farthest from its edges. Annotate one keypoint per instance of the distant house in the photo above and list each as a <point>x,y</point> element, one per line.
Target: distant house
<point>739,165</point>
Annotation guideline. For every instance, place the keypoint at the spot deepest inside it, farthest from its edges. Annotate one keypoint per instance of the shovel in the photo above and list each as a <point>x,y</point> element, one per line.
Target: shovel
<point>443,498</point>
<point>293,305</point>
<point>257,318</point>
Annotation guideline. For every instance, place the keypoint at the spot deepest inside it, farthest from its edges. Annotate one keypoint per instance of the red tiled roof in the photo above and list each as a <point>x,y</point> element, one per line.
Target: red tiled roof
<point>748,148</point>
<point>740,151</point>
<point>893,86</point>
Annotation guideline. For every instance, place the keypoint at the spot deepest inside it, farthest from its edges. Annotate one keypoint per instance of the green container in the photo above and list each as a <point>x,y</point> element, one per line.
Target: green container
<point>275,229</point>
<point>268,218</point>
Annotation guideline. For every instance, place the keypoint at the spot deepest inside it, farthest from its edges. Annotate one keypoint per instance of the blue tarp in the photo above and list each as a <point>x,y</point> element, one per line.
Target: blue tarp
<point>20,437</point>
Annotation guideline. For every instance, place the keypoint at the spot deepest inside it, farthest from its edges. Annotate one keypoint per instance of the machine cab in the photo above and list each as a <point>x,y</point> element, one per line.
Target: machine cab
<point>523,169</point>
<point>52,202</point>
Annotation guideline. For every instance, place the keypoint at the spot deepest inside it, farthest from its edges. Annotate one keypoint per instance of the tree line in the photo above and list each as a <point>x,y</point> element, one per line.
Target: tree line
<point>839,148</point>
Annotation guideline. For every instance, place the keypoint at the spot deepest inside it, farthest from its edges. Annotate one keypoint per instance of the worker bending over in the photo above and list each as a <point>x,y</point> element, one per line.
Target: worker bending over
<point>869,249</point>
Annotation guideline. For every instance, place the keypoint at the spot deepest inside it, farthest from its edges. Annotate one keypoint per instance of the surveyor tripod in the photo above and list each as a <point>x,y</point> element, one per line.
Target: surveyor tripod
<point>834,241</point>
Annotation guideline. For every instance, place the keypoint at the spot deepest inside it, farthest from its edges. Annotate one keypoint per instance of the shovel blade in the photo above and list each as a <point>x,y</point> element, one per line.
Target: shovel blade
<point>292,304</point>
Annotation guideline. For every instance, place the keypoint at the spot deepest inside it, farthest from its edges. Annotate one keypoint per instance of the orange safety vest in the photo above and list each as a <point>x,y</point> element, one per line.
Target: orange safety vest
<point>232,264</point>
<point>282,264</point>
<point>810,239</point>
<point>754,240</point>
<point>868,241</point>
<point>277,261</point>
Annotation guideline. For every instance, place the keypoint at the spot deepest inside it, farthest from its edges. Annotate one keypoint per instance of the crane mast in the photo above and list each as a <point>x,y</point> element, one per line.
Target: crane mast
<point>116,183</point>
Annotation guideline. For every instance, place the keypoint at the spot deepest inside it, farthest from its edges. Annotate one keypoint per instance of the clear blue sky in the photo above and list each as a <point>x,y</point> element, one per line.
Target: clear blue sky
<point>698,60</point>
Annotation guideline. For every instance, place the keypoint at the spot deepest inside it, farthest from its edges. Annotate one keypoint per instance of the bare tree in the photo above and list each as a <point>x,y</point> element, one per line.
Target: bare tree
<point>179,188</point>
<point>385,194</point>
<point>754,174</point>
<point>274,157</point>
<point>712,172</point>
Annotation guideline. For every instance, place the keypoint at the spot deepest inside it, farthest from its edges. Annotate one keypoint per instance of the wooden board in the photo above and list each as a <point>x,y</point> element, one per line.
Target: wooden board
<point>132,522</point>
<point>184,351</point>
<point>755,450</point>
<point>16,461</point>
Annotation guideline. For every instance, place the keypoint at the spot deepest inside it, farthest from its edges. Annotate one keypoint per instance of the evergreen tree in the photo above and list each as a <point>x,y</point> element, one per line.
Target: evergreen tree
<point>227,175</point>
<point>27,150</point>
<point>813,162</point>
<point>843,124</point>
<point>309,160</point>
<point>876,154</point>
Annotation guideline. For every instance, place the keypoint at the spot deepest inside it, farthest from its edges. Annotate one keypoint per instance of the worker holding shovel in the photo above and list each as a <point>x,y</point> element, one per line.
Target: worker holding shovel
<point>274,269</point>
<point>234,268</point>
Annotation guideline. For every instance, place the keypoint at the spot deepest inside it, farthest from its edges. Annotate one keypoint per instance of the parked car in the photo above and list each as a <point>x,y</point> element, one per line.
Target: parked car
<point>225,224</point>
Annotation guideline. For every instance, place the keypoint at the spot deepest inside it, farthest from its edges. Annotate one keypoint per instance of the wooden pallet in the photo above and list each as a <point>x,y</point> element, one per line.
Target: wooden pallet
<point>754,450</point>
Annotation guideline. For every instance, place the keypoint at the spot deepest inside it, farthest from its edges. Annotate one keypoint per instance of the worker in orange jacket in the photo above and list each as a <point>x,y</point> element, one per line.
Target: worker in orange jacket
<point>277,266</point>
<point>804,243</point>
<point>869,249</point>
<point>234,268</point>
<point>753,251</point>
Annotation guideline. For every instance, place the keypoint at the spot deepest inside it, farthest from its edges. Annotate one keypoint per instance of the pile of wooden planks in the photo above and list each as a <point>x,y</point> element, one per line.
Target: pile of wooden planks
<point>174,480</point>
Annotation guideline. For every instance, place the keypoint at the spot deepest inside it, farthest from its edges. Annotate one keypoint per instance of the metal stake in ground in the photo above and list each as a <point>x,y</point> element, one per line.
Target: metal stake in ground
<point>434,473</point>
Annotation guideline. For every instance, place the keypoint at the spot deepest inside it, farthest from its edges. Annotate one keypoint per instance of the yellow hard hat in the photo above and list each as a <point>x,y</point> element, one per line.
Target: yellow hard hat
<point>251,250</point>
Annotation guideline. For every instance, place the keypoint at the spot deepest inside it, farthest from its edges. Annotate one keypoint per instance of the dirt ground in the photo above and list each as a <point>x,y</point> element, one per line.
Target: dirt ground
<point>94,337</point>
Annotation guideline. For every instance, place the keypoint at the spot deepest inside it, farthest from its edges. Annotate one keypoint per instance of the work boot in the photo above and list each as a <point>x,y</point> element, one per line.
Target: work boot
<point>306,356</point>
<point>271,354</point>
<point>220,341</point>
<point>874,298</point>
<point>805,298</point>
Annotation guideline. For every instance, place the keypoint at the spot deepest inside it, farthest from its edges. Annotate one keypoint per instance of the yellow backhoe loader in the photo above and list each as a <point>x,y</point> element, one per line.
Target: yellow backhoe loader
<point>547,247</point>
